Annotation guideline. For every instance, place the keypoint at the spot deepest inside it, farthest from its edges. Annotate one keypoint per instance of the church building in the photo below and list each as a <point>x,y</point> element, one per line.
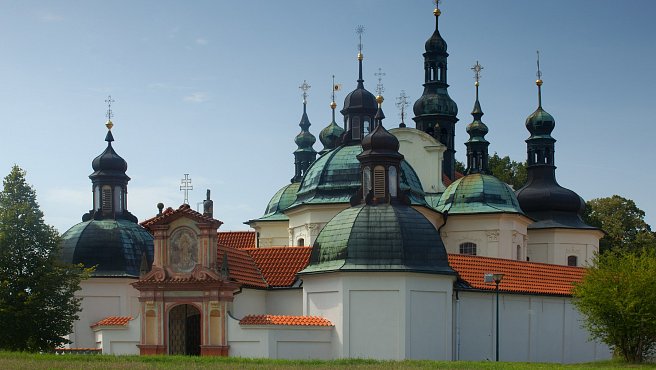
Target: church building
<point>377,248</point>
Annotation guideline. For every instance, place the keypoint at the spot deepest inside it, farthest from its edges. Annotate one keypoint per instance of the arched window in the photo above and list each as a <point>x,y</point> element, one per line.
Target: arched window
<point>468,248</point>
<point>300,242</point>
<point>355,128</point>
<point>392,180</point>
<point>519,252</point>
<point>379,182</point>
<point>572,261</point>
<point>366,180</point>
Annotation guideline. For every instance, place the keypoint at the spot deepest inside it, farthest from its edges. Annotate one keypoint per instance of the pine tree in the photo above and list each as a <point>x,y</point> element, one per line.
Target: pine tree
<point>37,301</point>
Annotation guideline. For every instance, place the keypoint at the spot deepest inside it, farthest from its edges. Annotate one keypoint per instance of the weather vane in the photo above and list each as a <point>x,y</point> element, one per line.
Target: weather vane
<point>186,186</point>
<point>477,68</point>
<point>305,87</point>
<point>539,73</point>
<point>336,87</point>
<point>380,89</point>
<point>109,102</point>
<point>402,104</point>
<point>359,30</point>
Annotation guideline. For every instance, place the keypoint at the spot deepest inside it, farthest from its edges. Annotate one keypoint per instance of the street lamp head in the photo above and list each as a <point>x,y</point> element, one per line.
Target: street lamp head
<point>493,278</point>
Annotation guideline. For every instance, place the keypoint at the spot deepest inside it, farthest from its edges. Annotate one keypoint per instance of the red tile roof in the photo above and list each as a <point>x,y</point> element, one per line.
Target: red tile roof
<point>447,181</point>
<point>171,214</point>
<point>113,321</point>
<point>237,239</point>
<point>519,276</point>
<point>241,266</point>
<point>279,265</point>
<point>285,320</point>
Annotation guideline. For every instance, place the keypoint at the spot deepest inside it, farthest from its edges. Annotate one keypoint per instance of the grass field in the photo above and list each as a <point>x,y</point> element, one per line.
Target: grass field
<point>12,360</point>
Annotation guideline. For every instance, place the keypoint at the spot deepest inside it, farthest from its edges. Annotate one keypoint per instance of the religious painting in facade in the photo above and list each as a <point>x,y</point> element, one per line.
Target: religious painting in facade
<point>183,255</point>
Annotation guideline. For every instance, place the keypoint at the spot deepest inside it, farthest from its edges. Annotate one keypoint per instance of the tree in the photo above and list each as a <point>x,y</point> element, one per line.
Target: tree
<point>617,297</point>
<point>504,169</point>
<point>623,222</point>
<point>37,302</point>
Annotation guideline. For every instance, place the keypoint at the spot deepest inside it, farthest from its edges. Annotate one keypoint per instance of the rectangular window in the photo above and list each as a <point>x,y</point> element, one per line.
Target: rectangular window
<point>355,128</point>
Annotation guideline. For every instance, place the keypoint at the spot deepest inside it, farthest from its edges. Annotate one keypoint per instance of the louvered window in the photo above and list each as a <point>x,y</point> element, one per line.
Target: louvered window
<point>379,182</point>
<point>106,199</point>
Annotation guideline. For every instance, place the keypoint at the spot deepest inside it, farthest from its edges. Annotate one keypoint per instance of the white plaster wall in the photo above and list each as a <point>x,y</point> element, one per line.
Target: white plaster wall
<point>555,245</point>
<point>495,235</point>
<point>272,233</point>
<point>307,221</point>
<point>424,154</point>
<point>532,329</point>
<point>249,302</point>
<point>284,302</point>
<point>102,297</point>
<point>273,341</point>
<point>384,315</point>
<point>119,340</point>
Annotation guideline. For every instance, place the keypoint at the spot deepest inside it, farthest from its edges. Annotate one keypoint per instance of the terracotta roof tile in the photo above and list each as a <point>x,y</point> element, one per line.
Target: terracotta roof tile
<point>285,320</point>
<point>113,321</point>
<point>447,181</point>
<point>279,265</point>
<point>519,276</point>
<point>171,214</point>
<point>241,266</point>
<point>237,239</point>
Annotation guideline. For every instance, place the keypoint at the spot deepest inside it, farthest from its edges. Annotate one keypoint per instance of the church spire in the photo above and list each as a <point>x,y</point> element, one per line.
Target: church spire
<point>477,152</point>
<point>435,111</point>
<point>109,180</point>
<point>305,154</point>
<point>330,136</point>
<point>540,145</point>
<point>359,105</point>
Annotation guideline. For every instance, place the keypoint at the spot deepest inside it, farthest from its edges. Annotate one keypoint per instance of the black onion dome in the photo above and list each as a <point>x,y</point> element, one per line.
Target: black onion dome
<point>436,44</point>
<point>115,247</point>
<point>305,140</point>
<point>359,99</point>
<point>540,123</point>
<point>380,140</point>
<point>438,102</point>
<point>109,162</point>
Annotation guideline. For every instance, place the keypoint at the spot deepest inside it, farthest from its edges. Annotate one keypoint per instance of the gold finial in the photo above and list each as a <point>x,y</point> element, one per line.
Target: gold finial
<point>538,82</point>
<point>360,57</point>
<point>379,99</point>
<point>109,113</point>
<point>333,105</point>
<point>437,11</point>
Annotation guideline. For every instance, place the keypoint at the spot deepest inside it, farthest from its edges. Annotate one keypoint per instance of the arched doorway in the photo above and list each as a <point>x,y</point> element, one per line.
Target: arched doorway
<point>184,330</point>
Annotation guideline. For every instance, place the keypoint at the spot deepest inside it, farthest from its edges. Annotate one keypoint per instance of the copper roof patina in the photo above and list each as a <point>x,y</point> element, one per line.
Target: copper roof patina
<point>478,193</point>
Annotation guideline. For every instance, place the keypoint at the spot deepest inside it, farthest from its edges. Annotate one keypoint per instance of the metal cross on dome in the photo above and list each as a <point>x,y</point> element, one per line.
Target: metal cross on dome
<point>539,73</point>
<point>477,68</point>
<point>380,89</point>
<point>402,103</point>
<point>186,186</point>
<point>109,102</point>
<point>359,30</point>
<point>305,87</point>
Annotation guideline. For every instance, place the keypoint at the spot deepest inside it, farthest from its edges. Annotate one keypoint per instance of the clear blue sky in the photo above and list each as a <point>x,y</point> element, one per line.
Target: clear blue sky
<point>210,88</point>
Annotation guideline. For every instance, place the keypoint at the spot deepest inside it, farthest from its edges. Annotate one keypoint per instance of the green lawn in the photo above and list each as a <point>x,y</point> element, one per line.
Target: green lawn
<point>12,360</point>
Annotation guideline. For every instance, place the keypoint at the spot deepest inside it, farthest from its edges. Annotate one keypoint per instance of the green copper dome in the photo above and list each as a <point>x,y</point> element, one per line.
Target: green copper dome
<point>115,247</point>
<point>283,198</point>
<point>540,124</point>
<point>384,237</point>
<point>478,193</point>
<point>438,102</point>
<point>335,177</point>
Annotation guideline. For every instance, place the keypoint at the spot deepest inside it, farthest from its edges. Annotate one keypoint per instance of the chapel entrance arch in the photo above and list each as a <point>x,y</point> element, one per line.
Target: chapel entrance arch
<point>184,330</point>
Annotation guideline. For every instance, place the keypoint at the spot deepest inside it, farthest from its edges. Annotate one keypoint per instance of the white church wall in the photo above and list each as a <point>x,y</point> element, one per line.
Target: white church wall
<point>556,245</point>
<point>284,302</point>
<point>102,297</point>
<point>532,329</point>
<point>272,233</point>
<point>119,340</point>
<point>305,222</point>
<point>279,341</point>
<point>249,302</point>
<point>384,315</point>
<point>424,154</point>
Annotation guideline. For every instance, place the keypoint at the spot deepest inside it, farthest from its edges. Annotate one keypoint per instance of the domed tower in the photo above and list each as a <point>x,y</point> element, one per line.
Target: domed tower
<point>435,111</point>
<point>373,256</point>
<point>559,235</point>
<point>331,135</point>
<point>482,214</point>
<point>305,154</point>
<point>359,106</point>
<point>110,239</point>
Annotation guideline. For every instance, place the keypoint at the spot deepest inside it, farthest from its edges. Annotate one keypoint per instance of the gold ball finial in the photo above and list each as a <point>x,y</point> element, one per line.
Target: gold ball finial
<point>360,57</point>
<point>437,12</point>
<point>333,105</point>
<point>538,82</point>
<point>379,99</point>
<point>109,124</point>
<point>476,83</point>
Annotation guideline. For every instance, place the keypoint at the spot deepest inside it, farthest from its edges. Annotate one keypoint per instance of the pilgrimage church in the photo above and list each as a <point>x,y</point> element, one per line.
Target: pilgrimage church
<point>378,248</point>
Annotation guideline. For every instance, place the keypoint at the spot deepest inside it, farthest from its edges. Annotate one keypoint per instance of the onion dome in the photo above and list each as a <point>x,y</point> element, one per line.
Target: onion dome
<point>542,198</point>
<point>384,237</point>
<point>109,162</point>
<point>305,154</point>
<point>280,201</point>
<point>115,247</point>
<point>477,152</point>
<point>478,193</point>
<point>379,140</point>
<point>330,136</point>
<point>436,44</point>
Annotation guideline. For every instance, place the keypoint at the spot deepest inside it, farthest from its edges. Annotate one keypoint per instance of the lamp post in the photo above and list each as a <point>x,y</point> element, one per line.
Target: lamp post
<point>495,278</point>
